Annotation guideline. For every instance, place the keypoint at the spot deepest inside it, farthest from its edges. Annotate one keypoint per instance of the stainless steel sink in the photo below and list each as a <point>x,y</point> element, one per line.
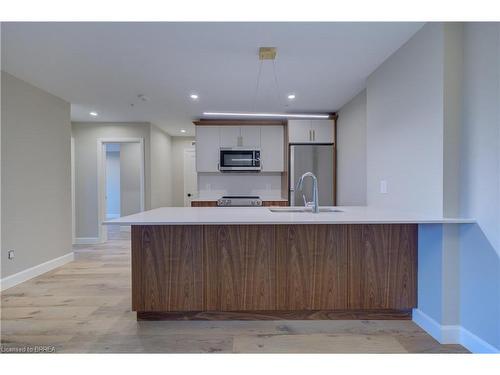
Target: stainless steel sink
<point>303,209</point>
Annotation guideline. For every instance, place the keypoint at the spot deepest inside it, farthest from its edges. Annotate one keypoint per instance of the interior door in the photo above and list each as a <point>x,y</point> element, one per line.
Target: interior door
<point>190,177</point>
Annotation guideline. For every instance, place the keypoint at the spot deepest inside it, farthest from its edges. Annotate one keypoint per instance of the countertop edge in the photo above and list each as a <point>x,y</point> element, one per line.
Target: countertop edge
<point>448,221</point>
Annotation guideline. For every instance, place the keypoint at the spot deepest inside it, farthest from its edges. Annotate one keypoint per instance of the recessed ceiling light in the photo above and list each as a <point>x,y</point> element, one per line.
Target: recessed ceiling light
<point>95,114</point>
<point>291,96</point>
<point>183,130</point>
<point>194,96</point>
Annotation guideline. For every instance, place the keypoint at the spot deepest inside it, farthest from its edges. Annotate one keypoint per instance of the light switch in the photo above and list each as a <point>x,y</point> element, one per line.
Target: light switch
<point>383,187</point>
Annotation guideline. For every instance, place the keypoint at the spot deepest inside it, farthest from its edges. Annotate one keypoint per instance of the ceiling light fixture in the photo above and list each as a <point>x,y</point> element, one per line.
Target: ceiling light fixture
<point>291,96</point>
<point>266,115</point>
<point>194,96</point>
<point>183,130</point>
<point>94,114</point>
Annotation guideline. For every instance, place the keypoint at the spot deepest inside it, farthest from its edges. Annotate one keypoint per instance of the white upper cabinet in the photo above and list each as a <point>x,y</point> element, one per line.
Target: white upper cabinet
<point>269,139</point>
<point>240,136</point>
<point>299,131</point>
<point>272,148</point>
<point>310,131</point>
<point>322,131</point>
<point>250,136</point>
<point>207,148</point>
<point>230,136</point>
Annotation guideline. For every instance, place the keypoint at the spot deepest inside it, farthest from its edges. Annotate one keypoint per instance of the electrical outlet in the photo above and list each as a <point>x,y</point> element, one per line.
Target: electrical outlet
<point>10,254</point>
<point>383,187</point>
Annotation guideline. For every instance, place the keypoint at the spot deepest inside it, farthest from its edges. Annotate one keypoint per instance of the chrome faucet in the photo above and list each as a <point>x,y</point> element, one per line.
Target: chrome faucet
<point>314,204</point>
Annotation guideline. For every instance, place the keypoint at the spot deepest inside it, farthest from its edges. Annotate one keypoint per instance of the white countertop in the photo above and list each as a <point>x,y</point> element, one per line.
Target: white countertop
<point>262,215</point>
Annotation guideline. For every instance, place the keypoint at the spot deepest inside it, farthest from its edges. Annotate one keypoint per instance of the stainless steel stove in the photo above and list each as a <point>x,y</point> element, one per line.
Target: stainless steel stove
<point>239,201</point>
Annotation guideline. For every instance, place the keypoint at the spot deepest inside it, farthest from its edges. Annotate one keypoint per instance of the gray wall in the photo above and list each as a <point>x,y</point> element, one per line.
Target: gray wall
<point>130,178</point>
<point>157,146</point>
<point>405,126</point>
<point>161,168</point>
<point>36,176</point>
<point>351,152</point>
<point>86,135</point>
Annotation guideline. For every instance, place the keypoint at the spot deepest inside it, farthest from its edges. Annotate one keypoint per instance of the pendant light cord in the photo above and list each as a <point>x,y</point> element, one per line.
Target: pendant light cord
<point>254,102</point>
<point>277,85</point>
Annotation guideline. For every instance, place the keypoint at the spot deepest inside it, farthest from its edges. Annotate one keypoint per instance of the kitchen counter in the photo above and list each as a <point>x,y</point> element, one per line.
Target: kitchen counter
<point>251,263</point>
<point>262,215</point>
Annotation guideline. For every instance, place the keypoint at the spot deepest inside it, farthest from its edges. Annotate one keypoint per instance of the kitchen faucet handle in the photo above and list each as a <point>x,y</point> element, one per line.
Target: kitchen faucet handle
<point>306,203</point>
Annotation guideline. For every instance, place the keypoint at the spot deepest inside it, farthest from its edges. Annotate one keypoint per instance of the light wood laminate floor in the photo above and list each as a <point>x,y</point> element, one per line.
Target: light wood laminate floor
<point>84,306</point>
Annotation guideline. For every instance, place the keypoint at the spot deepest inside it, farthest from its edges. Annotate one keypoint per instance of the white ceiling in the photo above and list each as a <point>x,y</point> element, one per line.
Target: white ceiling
<point>103,67</point>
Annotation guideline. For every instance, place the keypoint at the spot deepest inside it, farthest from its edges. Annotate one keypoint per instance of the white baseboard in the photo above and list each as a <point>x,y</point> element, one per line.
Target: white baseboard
<point>20,277</point>
<point>452,334</point>
<point>86,241</point>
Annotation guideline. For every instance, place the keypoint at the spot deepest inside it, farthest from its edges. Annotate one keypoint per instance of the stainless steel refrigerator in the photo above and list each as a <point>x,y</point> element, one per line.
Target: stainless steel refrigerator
<point>317,159</point>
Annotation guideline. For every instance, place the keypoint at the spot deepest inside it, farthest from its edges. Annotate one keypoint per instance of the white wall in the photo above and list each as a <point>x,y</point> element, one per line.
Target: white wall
<point>480,162</point>
<point>433,132</point>
<point>351,152</point>
<point>161,168</point>
<point>86,135</point>
<point>36,176</point>
<point>480,185</point>
<point>405,126</point>
<point>179,144</point>
<point>214,185</point>
<point>113,183</point>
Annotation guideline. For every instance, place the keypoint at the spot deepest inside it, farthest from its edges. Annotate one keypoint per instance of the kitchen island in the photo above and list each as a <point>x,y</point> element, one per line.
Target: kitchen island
<point>253,263</point>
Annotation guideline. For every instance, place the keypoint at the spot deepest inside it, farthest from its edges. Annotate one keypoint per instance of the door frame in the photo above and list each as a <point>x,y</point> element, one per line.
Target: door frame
<point>101,179</point>
<point>188,150</point>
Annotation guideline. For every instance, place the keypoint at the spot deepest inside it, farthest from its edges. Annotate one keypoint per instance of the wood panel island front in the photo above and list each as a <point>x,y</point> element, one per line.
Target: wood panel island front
<point>251,263</point>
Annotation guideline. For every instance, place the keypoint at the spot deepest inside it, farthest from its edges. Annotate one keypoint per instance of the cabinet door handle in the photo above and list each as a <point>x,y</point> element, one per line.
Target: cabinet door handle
<point>310,135</point>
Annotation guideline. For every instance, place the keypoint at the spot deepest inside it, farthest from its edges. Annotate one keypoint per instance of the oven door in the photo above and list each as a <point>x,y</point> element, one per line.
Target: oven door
<point>233,160</point>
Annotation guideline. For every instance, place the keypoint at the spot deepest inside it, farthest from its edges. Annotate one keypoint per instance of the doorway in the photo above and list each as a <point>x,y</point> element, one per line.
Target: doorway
<point>190,176</point>
<point>121,182</point>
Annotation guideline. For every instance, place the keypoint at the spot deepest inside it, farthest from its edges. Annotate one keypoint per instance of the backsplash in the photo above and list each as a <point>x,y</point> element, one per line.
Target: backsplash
<point>215,185</point>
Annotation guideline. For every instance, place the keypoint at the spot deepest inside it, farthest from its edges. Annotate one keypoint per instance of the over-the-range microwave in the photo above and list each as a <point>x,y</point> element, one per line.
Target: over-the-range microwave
<point>239,159</point>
